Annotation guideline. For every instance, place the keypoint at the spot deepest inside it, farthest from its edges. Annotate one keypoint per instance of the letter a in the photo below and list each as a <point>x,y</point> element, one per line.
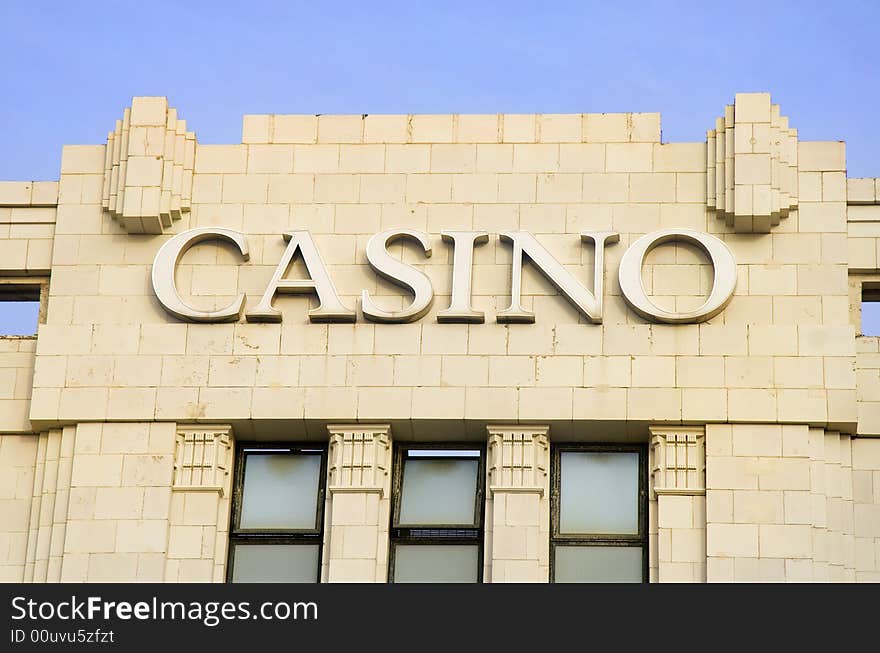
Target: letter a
<point>330,308</point>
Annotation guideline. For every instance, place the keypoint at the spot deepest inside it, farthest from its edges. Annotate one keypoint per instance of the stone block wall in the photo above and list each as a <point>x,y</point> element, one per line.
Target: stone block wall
<point>17,355</point>
<point>27,225</point>
<point>777,389</point>
<point>785,503</point>
<point>109,351</point>
<point>18,456</point>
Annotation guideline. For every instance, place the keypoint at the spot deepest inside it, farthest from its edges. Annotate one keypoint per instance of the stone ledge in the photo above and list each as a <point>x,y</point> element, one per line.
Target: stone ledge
<point>28,193</point>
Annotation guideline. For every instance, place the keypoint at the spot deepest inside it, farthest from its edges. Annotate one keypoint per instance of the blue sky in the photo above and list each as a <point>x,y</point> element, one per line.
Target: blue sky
<point>70,68</point>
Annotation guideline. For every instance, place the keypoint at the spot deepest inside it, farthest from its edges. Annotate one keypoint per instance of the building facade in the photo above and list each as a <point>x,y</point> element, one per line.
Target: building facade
<point>496,348</point>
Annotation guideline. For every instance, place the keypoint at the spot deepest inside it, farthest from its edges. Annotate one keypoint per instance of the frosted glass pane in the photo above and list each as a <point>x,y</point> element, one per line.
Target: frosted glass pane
<point>599,492</point>
<point>440,563</point>
<point>597,564</point>
<point>280,491</point>
<point>275,563</point>
<point>438,491</point>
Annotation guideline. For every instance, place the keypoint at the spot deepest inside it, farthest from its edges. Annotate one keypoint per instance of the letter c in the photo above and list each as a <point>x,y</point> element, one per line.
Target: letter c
<point>165,264</point>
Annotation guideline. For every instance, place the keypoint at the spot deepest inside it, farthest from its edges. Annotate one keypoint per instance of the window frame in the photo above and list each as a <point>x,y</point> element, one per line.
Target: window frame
<point>557,538</point>
<point>404,534</point>
<point>286,536</point>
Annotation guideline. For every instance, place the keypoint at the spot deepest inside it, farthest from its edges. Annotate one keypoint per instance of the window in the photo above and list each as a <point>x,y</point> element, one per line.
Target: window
<point>599,514</point>
<point>20,306</point>
<point>437,514</point>
<point>277,514</point>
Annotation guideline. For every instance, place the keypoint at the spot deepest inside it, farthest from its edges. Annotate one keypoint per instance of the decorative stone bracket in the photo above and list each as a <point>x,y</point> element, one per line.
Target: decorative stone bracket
<point>360,458</point>
<point>679,465</point>
<point>517,460</point>
<point>202,458</point>
<point>148,167</point>
<point>752,165</point>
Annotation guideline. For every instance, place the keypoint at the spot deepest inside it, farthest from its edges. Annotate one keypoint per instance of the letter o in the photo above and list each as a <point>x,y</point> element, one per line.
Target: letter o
<point>723,263</point>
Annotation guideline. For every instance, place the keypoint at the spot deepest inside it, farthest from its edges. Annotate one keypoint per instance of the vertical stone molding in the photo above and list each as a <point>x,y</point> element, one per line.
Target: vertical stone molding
<point>678,482</point>
<point>517,522</point>
<point>818,507</point>
<point>752,165</point>
<point>839,541</point>
<point>359,458</point>
<point>49,506</point>
<point>36,504</point>
<point>200,504</point>
<point>148,167</point>
<point>518,459</point>
<point>358,504</point>
<point>679,461</point>
<point>202,458</point>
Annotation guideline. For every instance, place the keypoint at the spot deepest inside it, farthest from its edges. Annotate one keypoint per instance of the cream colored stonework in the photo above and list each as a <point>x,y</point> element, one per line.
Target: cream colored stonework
<point>358,504</point>
<point>678,485</point>
<point>118,421</point>
<point>517,505</point>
